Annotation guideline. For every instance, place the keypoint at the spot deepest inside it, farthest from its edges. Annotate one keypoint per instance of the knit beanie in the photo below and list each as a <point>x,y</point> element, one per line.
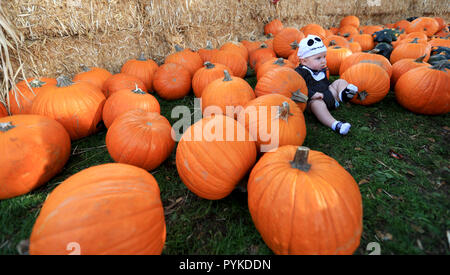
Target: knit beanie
<point>310,45</point>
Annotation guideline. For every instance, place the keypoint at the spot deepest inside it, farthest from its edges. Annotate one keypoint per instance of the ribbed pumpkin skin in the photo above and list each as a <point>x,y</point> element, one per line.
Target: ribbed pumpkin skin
<point>410,50</point>
<point>94,75</point>
<point>211,169</point>
<point>233,60</point>
<point>402,66</point>
<point>121,81</point>
<point>370,78</point>
<point>3,110</point>
<point>206,75</point>
<point>172,81</point>
<point>365,57</point>
<point>192,61</point>
<point>31,153</point>
<point>260,119</point>
<point>111,208</point>
<point>141,68</point>
<point>424,90</point>
<point>273,27</point>
<point>335,56</point>
<point>140,138</point>
<point>297,212</point>
<point>284,81</point>
<point>126,100</point>
<point>283,41</point>
<point>20,101</point>
<point>77,107</point>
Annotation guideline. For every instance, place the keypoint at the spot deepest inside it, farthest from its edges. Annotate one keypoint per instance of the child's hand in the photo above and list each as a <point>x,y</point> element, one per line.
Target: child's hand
<point>317,96</point>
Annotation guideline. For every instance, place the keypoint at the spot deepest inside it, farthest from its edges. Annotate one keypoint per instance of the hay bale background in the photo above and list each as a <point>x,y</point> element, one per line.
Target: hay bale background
<point>56,36</point>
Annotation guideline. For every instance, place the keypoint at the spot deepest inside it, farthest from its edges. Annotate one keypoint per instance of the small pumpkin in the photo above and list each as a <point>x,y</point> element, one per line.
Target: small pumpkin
<point>404,65</point>
<point>365,40</point>
<point>349,20</point>
<point>304,202</point>
<point>76,105</point>
<point>172,81</point>
<point>33,149</point>
<point>286,41</point>
<point>126,100</point>
<point>112,208</point>
<point>373,82</point>
<point>142,68</point>
<point>187,58</point>
<point>94,75</point>
<point>207,74</point>
<point>273,120</point>
<point>284,81</point>
<point>236,47</point>
<point>336,40</point>
<point>262,54</point>
<point>227,95</point>
<point>413,49</point>
<point>335,55</point>
<point>425,90</point>
<point>428,25</point>
<point>207,53</point>
<point>314,29</point>
<point>140,138</point>
<point>233,60</point>
<point>121,81</point>
<point>214,155</point>
<point>273,27</point>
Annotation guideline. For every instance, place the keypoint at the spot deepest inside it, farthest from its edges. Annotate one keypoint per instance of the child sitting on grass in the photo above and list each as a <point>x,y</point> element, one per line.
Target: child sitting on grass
<point>322,95</point>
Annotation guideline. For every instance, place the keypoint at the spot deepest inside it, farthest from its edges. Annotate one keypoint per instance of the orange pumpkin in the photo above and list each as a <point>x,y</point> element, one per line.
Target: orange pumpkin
<point>273,27</point>
<point>236,47</point>
<point>77,106</point>
<point>111,208</point>
<point>425,90</point>
<point>226,95</point>
<point>187,58</point>
<point>413,49</point>
<point>270,64</point>
<point>348,31</point>
<point>126,100</point>
<point>286,41</point>
<point>284,81</point>
<point>355,47</point>
<point>262,54</point>
<point>366,58</point>
<point>205,75</point>
<point>335,56</point>
<point>121,81</point>
<point>273,120</point>
<point>373,82</point>
<point>140,138</point>
<point>172,81</point>
<point>314,29</point>
<point>349,20</point>
<point>33,149</point>
<point>365,40</point>
<point>197,151</point>
<point>94,75</point>
<point>336,40</point>
<point>402,66</point>
<point>304,202</point>
<point>142,68</point>
<point>428,25</point>
<point>21,98</point>
<point>207,53</point>
<point>233,60</point>
<point>3,110</point>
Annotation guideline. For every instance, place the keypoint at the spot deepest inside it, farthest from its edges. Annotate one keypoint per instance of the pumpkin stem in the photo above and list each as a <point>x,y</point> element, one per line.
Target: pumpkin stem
<point>298,96</point>
<point>5,126</point>
<point>178,48</point>
<point>36,83</point>
<point>85,68</point>
<point>227,76</point>
<point>209,45</point>
<point>332,43</point>
<point>209,65</point>
<point>284,111</point>
<point>441,65</point>
<point>138,90</point>
<point>362,95</point>
<point>420,59</point>
<point>294,45</point>
<point>63,81</point>
<point>263,46</point>
<point>301,159</point>
<point>269,35</point>
<point>279,61</point>
<point>415,40</point>
<point>142,57</point>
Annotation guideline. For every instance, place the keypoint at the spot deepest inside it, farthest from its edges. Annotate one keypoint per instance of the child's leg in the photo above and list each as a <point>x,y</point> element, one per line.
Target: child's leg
<point>320,110</point>
<point>343,91</point>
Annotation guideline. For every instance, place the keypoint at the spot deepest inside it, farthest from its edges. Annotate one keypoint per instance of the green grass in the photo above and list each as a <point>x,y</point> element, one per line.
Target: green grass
<point>405,201</point>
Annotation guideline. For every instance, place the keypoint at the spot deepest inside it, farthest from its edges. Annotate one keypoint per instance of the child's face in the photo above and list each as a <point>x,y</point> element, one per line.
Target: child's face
<point>315,62</point>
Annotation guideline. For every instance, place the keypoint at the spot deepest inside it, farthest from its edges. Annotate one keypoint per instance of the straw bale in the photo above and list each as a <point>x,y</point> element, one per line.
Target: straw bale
<point>57,36</point>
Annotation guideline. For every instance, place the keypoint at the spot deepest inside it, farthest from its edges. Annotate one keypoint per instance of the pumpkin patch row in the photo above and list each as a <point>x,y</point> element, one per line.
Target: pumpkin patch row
<point>47,114</point>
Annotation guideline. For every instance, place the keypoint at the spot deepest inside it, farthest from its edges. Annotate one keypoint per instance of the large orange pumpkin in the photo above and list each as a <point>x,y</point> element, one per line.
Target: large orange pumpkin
<point>273,120</point>
<point>285,81</point>
<point>402,66</point>
<point>77,106</point>
<point>428,25</point>
<point>425,90</point>
<point>286,41</point>
<point>273,27</point>
<point>372,81</point>
<point>33,149</point>
<point>226,95</point>
<point>364,57</point>
<point>304,202</point>
<point>270,64</point>
<point>121,81</point>
<point>206,75</point>
<point>140,138</point>
<point>187,58</point>
<point>94,75</point>
<point>237,47</point>
<point>335,56</point>
<point>111,208</point>
<point>172,81</point>
<point>207,53</point>
<point>126,100</point>
<point>413,49</point>
<point>233,60</point>
<point>213,155</point>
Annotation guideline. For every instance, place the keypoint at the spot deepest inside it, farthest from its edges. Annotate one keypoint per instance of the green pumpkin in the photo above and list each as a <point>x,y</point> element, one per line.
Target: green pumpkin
<point>386,35</point>
<point>384,49</point>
